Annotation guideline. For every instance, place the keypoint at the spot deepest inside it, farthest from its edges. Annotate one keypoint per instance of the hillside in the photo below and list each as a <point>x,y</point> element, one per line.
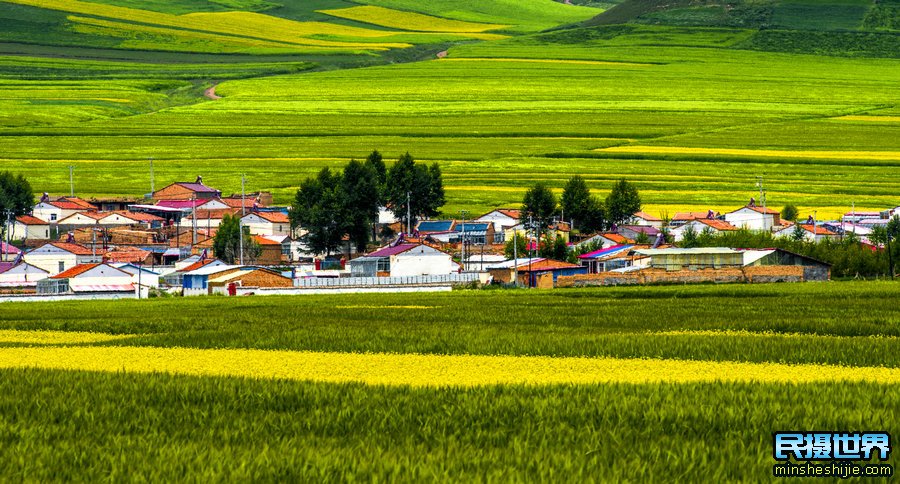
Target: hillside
<point>526,92</point>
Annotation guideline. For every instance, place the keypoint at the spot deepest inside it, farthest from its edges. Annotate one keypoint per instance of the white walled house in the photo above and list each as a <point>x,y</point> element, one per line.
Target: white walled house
<point>22,275</point>
<point>821,233</point>
<point>57,257</point>
<point>714,226</point>
<point>27,227</point>
<point>140,275</point>
<point>502,218</point>
<point>53,212</point>
<point>267,223</point>
<point>85,278</point>
<point>754,218</point>
<point>644,218</point>
<point>81,219</point>
<point>404,260</point>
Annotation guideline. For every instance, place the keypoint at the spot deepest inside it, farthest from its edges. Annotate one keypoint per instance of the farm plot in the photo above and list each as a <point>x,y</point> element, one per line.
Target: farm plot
<point>503,381</point>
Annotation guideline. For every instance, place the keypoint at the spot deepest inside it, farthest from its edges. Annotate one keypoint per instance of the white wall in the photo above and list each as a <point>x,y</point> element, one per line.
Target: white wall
<point>748,219</point>
<point>21,231</point>
<point>421,264</point>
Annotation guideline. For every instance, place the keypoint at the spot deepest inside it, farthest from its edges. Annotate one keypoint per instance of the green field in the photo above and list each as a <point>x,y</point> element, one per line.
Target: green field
<point>492,137</point>
<point>78,425</point>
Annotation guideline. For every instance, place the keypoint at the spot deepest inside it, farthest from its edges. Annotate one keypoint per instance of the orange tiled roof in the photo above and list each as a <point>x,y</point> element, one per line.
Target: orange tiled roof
<point>646,216</point>
<point>717,224</point>
<point>29,220</point>
<point>510,212</point>
<point>689,215</point>
<point>73,248</point>
<point>819,230</point>
<point>264,241</point>
<point>619,239</point>
<point>274,217</point>
<point>74,271</point>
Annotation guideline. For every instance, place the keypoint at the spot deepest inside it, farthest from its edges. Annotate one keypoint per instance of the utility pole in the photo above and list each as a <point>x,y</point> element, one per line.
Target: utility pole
<point>530,252</point>
<point>241,223</point>
<point>71,181</point>
<point>462,257</point>
<point>139,279</point>
<point>516,256</point>
<point>193,221</point>
<point>152,188</point>
<point>408,212</point>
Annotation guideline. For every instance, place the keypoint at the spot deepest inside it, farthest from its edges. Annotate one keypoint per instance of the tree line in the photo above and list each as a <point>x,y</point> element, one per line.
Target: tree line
<point>335,205</point>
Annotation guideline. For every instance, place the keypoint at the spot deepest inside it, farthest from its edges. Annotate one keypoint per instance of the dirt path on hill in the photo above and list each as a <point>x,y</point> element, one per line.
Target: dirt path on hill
<point>210,93</point>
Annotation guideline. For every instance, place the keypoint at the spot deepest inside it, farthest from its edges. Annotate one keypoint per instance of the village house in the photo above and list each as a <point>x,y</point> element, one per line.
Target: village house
<point>534,272</point>
<point>604,240</point>
<point>606,259</point>
<point>54,211</point>
<point>21,276</point>
<point>9,252</point>
<point>810,233</point>
<point>712,226</point>
<point>554,231</point>
<point>634,232</point>
<point>273,251</point>
<point>404,260</point>
<point>267,223</point>
<point>209,219</point>
<point>140,275</point>
<point>87,278</point>
<point>643,218</point>
<point>502,218</point>
<point>682,218</point>
<point>247,277</point>
<point>752,217</point>
<point>30,228</point>
<point>187,191</point>
<point>56,257</point>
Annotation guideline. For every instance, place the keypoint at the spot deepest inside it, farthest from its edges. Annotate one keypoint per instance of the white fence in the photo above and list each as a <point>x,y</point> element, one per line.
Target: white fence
<point>436,280</point>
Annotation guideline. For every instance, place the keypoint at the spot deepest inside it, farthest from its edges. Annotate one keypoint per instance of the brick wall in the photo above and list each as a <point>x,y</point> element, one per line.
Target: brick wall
<point>753,274</point>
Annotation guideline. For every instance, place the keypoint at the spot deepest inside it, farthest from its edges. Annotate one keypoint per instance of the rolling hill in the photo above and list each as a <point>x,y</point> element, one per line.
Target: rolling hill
<point>668,94</point>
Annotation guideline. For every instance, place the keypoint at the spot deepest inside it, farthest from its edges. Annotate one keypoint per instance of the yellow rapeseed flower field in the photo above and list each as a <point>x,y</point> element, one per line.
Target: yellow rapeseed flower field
<point>420,370</point>
<point>817,154</point>
<point>544,61</point>
<point>56,337</point>
<point>387,17</point>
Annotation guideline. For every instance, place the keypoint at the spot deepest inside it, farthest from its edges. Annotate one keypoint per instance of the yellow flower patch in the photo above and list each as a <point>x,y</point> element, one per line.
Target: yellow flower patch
<point>425,370</point>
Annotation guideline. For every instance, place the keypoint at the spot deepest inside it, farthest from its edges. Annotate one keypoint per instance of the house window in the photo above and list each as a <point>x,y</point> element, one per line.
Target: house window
<point>52,217</point>
<point>62,266</point>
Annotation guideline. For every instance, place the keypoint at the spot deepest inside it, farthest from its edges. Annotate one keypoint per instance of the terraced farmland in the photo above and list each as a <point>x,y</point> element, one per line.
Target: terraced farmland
<point>474,384</point>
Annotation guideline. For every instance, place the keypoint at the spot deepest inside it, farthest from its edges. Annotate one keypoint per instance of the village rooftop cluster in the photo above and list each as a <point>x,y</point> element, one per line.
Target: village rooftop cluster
<point>164,244</point>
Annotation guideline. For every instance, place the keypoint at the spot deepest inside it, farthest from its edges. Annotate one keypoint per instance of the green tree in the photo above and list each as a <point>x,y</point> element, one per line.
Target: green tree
<point>376,163</point>
<point>360,196</point>
<point>580,206</point>
<point>689,238</point>
<point>415,189</point>
<point>16,197</point>
<point>320,209</point>
<point>539,204</point>
<point>622,202</point>
<point>789,212</point>
<point>798,233</point>
<point>227,242</point>
<point>521,247</point>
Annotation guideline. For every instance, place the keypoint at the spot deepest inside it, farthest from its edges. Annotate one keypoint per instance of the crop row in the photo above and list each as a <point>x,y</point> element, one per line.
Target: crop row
<point>87,427</point>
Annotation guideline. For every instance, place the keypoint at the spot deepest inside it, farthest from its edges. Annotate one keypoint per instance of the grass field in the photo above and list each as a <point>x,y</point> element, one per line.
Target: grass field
<point>691,114</point>
<point>668,119</point>
<point>559,385</point>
